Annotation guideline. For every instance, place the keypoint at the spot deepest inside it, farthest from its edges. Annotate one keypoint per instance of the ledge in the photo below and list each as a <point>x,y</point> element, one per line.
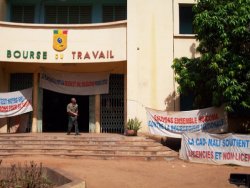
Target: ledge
<point>66,26</point>
<point>184,36</point>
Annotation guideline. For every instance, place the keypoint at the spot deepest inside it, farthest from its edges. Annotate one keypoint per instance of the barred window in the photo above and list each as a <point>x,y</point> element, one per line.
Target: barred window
<point>68,14</point>
<point>22,14</point>
<point>114,13</point>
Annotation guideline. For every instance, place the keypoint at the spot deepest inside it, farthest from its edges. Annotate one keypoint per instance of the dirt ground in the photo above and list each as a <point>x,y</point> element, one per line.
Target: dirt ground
<point>139,174</point>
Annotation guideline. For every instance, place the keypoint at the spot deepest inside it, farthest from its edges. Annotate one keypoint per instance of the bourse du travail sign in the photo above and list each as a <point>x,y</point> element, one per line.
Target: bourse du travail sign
<point>48,45</point>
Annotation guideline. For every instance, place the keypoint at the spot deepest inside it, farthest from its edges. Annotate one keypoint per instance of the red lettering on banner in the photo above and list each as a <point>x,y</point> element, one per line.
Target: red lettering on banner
<point>208,118</point>
<point>163,119</point>
<point>185,120</point>
<point>236,156</point>
<point>14,106</point>
<point>201,154</point>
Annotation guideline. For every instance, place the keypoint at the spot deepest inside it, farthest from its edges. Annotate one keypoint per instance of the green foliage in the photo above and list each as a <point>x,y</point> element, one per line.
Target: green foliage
<point>134,124</point>
<point>222,73</point>
<point>29,176</point>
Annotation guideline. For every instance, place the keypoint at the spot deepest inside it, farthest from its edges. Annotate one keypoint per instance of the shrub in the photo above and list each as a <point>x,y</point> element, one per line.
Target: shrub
<point>28,176</point>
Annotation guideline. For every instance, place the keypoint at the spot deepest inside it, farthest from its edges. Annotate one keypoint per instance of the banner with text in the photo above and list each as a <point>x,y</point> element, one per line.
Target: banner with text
<point>75,83</point>
<point>216,148</point>
<point>15,103</point>
<point>174,124</point>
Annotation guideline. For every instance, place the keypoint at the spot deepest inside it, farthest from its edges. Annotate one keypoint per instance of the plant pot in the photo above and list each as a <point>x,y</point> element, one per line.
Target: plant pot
<point>131,133</point>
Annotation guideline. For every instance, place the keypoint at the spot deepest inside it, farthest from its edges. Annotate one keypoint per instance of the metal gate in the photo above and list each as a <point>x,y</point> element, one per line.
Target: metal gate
<point>19,81</point>
<point>112,106</point>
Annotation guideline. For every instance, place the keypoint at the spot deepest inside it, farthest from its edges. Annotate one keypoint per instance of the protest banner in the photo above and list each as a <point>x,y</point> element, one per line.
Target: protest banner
<point>216,148</point>
<point>75,83</point>
<point>15,103</point>
<point>174,124</point>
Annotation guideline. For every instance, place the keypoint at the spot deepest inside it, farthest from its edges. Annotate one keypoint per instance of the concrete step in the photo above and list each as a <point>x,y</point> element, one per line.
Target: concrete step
<point>168,157</point>
<point>82,137</point>
<point>101,146</point>
<point>77,142</point>
<point>82,147</point>
<point>85,152</point>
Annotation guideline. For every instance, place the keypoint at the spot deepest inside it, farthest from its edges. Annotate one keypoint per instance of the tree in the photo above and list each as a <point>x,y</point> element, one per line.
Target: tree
<point>221,75</point>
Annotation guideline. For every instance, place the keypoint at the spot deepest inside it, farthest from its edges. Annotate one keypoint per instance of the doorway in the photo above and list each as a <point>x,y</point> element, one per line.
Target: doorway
<point>55,117</point>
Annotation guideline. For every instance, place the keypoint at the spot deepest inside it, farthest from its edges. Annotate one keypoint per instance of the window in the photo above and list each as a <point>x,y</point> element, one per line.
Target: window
<point>68,14</point>
<point>114,13</point>
<point>22,14</point>
<point>186,16</point>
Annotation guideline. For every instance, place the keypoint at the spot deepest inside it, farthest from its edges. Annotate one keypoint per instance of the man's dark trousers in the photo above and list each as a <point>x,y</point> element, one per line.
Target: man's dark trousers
<point>73,122</point>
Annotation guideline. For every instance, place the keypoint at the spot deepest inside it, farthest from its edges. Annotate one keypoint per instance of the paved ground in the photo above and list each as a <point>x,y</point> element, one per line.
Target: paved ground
<point>140,174</point>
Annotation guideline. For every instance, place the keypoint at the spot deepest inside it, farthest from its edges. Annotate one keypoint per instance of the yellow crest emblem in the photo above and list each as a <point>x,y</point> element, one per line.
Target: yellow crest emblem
<point>60,40</point>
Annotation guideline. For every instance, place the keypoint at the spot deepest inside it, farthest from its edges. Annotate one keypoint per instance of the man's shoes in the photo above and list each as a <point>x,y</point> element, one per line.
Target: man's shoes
<point>77,134</point>
<point>68,133</point>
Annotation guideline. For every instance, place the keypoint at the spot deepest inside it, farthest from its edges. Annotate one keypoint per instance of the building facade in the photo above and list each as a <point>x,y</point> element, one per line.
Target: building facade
<point>135,41</point>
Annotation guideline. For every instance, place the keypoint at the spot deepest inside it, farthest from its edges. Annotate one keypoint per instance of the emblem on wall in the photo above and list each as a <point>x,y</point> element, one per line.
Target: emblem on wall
<point>60,40</point>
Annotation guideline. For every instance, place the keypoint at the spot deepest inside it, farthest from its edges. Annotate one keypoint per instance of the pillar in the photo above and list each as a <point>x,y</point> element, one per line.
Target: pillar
<point>125,102</point>
<point>97,113</point>
<point>92,114</point>
<point>35,102</point>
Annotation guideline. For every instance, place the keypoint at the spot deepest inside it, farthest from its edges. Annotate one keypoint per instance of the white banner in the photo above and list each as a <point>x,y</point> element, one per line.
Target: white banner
<point>174,124</point>
<point>75,83</point>
<point>15,103</point>
<point>216,148</point>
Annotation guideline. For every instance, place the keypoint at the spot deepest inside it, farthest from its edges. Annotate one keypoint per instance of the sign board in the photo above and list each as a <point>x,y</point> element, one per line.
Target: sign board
<point>90,44</point>
<point>216,148</point>
<point>174,124</point>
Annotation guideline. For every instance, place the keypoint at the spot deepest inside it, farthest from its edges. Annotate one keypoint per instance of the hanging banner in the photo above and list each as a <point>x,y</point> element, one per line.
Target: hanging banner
<point>215,148</point>
<point>15,103</point>
<point>174,124</point>
<point>75,83</point>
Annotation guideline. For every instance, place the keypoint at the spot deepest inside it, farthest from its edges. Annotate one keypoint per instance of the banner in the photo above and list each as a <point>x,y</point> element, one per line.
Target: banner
<point>174,124</point>
<point>15,103</point>
<point>75,83</point>
<point>215,148</point>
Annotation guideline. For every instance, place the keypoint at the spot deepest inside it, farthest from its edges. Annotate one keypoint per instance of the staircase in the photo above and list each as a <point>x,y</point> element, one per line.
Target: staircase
<point>94,146</point>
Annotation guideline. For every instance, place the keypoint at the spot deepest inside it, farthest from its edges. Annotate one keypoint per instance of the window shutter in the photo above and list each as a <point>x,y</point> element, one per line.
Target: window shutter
<point>68,14</point>
<point>120,13</point>
<point>50,14</point>
<point>85,14</point>
<point>62,15</point>
<point>114,13</point>
<point>107,14</point>
<point>28,14</point>
<point>74,15</point>
<point>23,14</point>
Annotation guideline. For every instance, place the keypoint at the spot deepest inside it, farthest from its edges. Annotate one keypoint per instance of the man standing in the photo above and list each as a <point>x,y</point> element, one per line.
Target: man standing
<point>72,110</point>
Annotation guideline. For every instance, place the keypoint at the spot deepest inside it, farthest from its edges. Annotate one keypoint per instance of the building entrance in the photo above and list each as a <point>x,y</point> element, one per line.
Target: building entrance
<point>55,118</point>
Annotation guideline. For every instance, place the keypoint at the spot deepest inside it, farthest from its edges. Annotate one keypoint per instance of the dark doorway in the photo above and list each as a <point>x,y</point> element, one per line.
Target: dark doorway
<point>55,118</point>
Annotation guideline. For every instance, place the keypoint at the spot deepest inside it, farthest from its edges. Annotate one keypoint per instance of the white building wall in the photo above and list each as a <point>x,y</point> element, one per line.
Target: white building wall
<point>150,53</point>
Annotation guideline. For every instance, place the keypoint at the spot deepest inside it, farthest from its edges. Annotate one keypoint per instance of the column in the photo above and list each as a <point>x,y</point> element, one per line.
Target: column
<point>97,114</point>
<point>35,102</point>
<point>92,114</point>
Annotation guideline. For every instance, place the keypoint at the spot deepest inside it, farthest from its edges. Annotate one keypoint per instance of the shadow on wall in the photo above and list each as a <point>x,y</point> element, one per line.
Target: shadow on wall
<point>193,50</point>
<point>170,101</point>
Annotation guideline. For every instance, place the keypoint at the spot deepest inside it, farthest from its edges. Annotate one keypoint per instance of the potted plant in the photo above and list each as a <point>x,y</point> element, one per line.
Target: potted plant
<point>133,125</point>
